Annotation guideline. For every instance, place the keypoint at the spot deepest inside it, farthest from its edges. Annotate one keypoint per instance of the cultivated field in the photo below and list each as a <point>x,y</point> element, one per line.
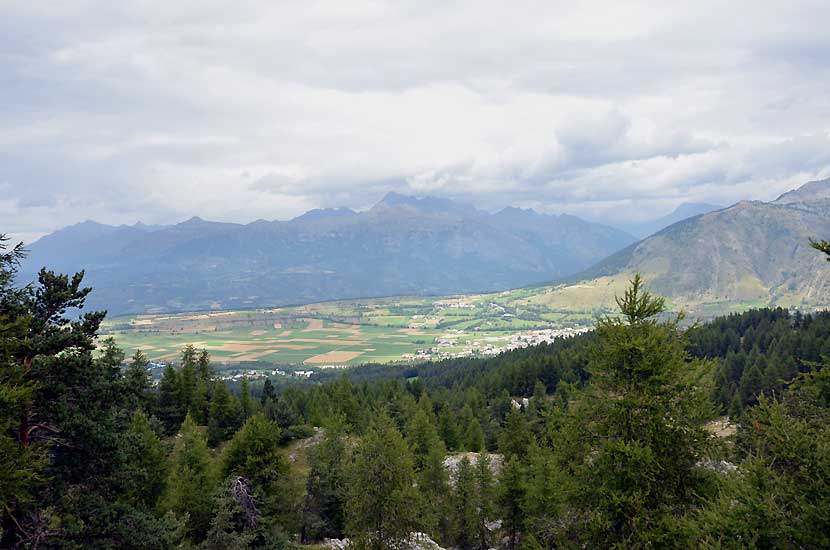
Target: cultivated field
<point>350,332</point>
<point>344,332</point>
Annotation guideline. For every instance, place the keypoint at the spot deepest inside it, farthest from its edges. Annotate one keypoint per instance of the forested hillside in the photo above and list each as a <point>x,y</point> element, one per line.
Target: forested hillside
<point>603,440</point>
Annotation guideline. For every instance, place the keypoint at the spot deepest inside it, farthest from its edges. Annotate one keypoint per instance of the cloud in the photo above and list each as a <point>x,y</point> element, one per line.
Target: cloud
<point>127,111</point>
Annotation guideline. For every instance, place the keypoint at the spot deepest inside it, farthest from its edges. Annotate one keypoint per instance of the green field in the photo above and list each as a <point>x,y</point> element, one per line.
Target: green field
<point>350,332</point>
<point>343,332</point>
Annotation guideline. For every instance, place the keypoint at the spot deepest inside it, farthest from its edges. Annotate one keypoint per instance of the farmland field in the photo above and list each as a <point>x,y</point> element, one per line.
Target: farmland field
<point>350,332</point>
<point>344,332</point>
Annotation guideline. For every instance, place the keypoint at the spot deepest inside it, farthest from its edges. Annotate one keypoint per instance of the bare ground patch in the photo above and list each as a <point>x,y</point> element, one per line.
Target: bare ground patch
<point>334,357</point>
<point>313,324</point>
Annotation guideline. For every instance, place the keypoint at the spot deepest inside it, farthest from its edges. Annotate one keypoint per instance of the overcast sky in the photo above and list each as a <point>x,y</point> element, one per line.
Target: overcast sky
<point>158,111</point>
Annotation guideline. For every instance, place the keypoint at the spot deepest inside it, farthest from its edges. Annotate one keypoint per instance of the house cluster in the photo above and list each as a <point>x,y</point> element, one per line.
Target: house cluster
<point>447,346</point>
<point>255,374</point>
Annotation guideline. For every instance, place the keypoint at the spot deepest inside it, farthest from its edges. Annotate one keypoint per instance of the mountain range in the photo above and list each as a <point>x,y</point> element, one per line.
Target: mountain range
<point>402,245</point>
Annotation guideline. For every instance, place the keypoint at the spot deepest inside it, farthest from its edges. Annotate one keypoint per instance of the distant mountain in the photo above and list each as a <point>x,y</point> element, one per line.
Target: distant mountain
<point>402,245</point>
<point>752,253</point>
<point>814,191</point>
<point>682,212</point>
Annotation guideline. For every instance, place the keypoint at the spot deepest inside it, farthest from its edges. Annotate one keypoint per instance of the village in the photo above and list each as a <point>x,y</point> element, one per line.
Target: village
<point>453,345</point>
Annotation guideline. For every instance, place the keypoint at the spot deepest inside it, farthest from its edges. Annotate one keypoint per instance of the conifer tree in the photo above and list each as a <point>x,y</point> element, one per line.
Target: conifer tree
<point>822,246</point>
<point>138,383</point>
<point>169,409</point>
<point>485,494</point>
<point>188,382</point>
<point>642,425</point>
<point>191,481</point>
<point>246,402</point>
<point>516,436</point>
<point>511,495</point>
<point>474,436</point>
<point>145,463</point>
<point>204,385</point>
<point>429,452</point>
<point>464,506</point>
<point>225,414</point>
<point>268,392</point>
<point>381,493</point>
<point>323,510</point>
<point>448,429</point>
<point>21,467</point>
<point>254,453</point>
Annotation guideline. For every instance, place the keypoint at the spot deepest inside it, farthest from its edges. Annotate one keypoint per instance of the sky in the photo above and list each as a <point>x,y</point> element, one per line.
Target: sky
<point>236,111</point>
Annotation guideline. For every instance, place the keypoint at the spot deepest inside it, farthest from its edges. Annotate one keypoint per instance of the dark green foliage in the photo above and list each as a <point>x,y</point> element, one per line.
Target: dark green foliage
<point>21,466</point>
<point>268,392</point>
<point>191,481</point>
<point>138,384</point>
<point>473,505</point>
<point>225,414</point>
<point>642,429</point>
<point>381,496</point>
<point>759,352</point>
<point>246,402</point>
<point>464,506</point>
<point>780,495</point>
<point>323,511</point>
<point>169,409</point>
<point>511,497</point>
<point>822,246</point>
<point>254,453</point>
<point>145,464</point>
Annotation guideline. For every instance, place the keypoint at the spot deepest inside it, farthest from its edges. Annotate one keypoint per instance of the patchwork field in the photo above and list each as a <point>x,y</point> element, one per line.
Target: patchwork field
<point>345,332</point>
<point>350,332</point>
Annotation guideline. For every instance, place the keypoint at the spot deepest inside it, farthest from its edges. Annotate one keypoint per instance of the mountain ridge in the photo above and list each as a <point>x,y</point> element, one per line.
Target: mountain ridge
<point>752,252</point>
<point>402,245</point>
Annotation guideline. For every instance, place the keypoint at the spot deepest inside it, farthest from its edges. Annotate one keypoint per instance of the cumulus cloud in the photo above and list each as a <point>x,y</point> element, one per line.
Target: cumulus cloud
<point>257,109</point>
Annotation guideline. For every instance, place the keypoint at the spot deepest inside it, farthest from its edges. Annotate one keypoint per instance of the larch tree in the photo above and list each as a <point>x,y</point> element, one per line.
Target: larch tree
<point>381,488</point>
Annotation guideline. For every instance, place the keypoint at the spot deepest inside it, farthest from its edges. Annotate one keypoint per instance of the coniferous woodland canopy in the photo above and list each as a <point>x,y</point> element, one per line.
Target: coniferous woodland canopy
<point>613,448</point>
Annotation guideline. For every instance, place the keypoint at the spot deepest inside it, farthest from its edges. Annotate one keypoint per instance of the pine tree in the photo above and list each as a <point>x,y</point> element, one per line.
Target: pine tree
<point>138,383</point>
<point>268,392</point>
<point>188,382</point>
<point>191,481</point>
<point>145,463</point>
<point>448,429</point>
<point>822,246</point>
<point>511,496</point>
<point>225,414</point>
<point>254,453</point>
<point>464,506</point>
<point>169,409</point>
<point>474,436</point>
<point>643,422</point>
<point>204,384</point>
<point>246,402</point>
<point>544,497</point>
<point>485,494</point>
<point>429,452</point>
<point>21,467</point>
<point>324,512</point>
<point>381,494</point>
<point>516,436</point>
